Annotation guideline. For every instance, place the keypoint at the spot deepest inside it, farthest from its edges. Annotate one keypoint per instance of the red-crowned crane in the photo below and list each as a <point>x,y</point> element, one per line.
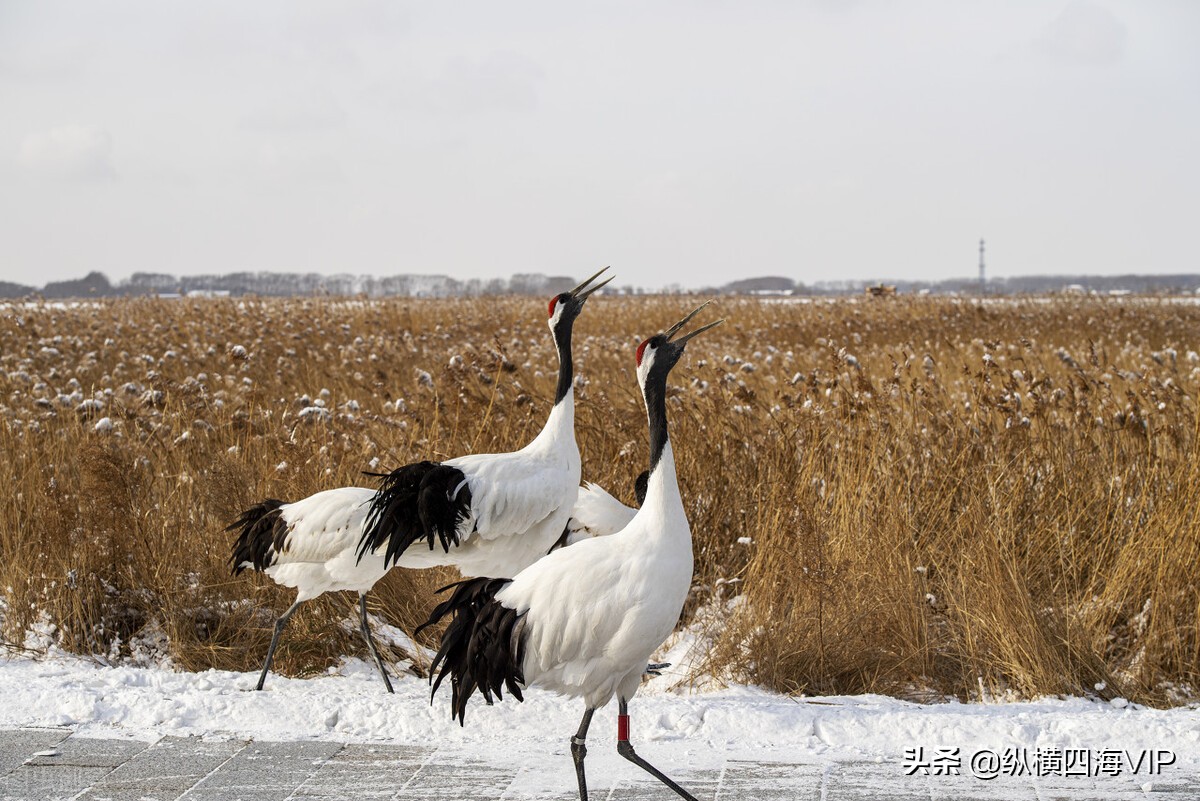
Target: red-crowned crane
<point>583,620</point>
<point>490,513</point>
<point>598,514</point>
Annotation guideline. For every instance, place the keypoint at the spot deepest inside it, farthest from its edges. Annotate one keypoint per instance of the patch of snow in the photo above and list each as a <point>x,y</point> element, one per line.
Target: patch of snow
<point>315,414</point>
<point>349,705</point>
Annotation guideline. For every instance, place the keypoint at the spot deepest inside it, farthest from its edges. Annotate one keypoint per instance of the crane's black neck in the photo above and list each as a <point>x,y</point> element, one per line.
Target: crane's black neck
<point>562,341</point>
<point>655,393</point>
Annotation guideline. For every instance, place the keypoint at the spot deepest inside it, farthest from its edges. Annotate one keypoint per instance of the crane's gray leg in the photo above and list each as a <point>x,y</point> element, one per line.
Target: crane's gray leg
<point>579,751</point>
<point>625,749</point>
<point>366,633</point>
<point>279,624</point>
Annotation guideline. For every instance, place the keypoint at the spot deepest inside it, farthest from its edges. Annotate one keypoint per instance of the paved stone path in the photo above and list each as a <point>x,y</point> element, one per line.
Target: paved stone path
<point>42,764</point>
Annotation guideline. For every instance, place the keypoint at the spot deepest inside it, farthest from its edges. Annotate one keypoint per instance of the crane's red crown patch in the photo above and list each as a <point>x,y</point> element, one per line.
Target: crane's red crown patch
<point>641,348</point>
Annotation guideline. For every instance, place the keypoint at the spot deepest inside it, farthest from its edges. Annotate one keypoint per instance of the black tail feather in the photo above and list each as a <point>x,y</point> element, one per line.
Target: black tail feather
<point>483,647</point>
<point>423,500</point>
<point>263,534</point>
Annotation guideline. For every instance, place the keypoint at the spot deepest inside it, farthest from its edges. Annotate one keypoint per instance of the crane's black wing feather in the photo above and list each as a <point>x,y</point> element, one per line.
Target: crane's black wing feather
<point>263,533</point>
<point>482,648</point>
<point>420,501</point>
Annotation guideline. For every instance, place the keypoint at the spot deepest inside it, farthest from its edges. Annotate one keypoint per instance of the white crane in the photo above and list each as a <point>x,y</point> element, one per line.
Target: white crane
<point>584,620</point>
<point>490,513</point>
<point>310,545</point>
<point>598,514</point>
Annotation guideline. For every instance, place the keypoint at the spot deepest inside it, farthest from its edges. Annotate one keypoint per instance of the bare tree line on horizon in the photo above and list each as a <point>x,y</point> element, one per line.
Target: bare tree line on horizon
<point>285,284</point>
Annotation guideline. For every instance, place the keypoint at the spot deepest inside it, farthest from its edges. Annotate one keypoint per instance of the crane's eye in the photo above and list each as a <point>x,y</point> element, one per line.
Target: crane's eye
<point>641,349</point>
<point>557,299</point>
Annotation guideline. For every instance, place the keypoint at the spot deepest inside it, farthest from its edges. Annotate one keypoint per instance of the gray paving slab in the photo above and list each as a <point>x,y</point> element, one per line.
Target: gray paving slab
<point>19,745</point>
<point>375,772</point>
<point>264,772</point>
<point>770,781</point>
<point>702,784</point>
<point>46,764</point>
<point>879,781</point>
<point>460,778</point>
<point>66,769</point>
<point>48,782</point>
<point>163,771</point>
<point>1173,787</point>
<point>1117,789</point>
<point>966,787</point>
<point>86,752</point>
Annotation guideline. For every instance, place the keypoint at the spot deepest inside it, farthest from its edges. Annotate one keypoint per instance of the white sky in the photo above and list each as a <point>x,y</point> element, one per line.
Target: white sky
<point>680,142</point>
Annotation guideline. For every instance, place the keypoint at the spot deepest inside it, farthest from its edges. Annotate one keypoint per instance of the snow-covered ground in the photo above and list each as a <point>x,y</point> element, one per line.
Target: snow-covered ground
<point>350,705</point>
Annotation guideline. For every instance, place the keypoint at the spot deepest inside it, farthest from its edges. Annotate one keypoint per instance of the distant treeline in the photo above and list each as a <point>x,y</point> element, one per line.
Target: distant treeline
<point>1023,284</point>
<point>96,284</point>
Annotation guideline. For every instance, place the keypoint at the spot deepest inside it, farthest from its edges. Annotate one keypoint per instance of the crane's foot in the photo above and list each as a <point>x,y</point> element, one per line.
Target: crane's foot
<point>280,624</point>
<point>625,749</point>
<point>656,668</point>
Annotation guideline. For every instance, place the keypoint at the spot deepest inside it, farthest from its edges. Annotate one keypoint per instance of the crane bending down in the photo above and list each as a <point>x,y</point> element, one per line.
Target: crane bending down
<point>584,620</point>
<point>484,513</point>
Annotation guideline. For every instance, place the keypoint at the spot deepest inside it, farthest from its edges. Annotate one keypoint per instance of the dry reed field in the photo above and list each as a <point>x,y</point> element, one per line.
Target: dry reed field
<point>915,496</point>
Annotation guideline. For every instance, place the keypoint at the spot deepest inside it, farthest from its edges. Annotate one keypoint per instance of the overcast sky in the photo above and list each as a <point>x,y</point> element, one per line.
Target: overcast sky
<point>680,142</point>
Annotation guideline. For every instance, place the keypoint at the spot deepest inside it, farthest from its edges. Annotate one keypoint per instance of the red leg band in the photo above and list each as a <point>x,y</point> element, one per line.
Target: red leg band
<point>623,728</point>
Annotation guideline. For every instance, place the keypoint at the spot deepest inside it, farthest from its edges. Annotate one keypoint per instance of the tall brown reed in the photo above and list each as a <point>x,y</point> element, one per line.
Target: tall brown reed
<point>910,496</point>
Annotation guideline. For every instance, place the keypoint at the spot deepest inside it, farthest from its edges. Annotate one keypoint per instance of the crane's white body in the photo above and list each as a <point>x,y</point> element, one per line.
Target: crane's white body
<point>521,503</point>
<point>596,514</point>
<point>323,532</point>
<point>596,612</point>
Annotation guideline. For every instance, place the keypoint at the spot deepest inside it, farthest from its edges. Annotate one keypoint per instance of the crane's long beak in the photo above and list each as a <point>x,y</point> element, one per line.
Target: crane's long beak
<point>578,292</point>
<point>673,330</point>
<point>697,332</point>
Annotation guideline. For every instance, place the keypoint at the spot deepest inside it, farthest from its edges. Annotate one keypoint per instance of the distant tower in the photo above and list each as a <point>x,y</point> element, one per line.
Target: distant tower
<point>982,278</point>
